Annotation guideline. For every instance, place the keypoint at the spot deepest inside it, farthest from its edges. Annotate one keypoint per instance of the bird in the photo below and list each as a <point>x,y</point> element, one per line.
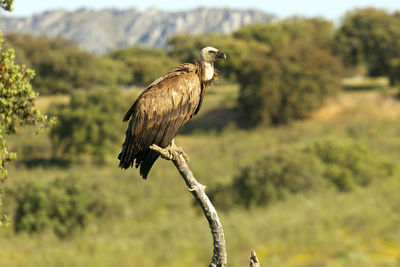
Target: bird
<point>160,111</point>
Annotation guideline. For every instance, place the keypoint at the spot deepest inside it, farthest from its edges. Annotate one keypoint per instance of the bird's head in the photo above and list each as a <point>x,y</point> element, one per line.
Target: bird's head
<point>210,54</point>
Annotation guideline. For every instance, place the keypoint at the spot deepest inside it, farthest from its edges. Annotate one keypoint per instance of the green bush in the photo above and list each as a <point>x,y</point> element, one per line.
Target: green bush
<point>349,165</point>
<point>272,178</point>
<point>342,166</point>
<point>91,124</point>
<point>62,205</point>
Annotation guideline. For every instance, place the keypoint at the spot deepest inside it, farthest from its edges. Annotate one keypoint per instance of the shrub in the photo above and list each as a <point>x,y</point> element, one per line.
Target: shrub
<point>349,165</point>
<point>89,125</point>
<point>342,166</point>
<point>271,178</point>
<point>62,205</point>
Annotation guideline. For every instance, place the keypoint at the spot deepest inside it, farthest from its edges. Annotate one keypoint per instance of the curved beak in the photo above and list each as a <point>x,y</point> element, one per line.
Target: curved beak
<point>221,55</point>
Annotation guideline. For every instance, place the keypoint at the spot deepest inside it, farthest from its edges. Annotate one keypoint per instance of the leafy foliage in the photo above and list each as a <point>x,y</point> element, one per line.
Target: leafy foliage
<point>327,163</point>
<point>7,4</point>
<point>17,102</point>
<point>62,205</point>
<point>89,124</point>
<point>371,37</point>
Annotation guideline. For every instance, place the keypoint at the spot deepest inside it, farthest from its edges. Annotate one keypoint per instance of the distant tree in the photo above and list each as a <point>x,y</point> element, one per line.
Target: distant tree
<point>287,83</point>
<point>312,30</point>
<point>62,66</point>
<point>17,98</point>
<point>371,37</point>
<point>294,76</point>
<point>142,65</point>
<point>89,125</point>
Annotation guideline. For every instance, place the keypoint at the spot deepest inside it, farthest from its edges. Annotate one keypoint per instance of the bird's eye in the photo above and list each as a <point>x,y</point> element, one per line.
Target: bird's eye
<point>211,52</point>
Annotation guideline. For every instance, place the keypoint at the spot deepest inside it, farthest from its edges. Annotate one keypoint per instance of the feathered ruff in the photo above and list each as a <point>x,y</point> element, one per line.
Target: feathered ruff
<point>159,113</point>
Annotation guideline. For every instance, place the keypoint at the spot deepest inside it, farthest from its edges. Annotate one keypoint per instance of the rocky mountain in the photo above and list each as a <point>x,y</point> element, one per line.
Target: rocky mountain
<point>103,30</point>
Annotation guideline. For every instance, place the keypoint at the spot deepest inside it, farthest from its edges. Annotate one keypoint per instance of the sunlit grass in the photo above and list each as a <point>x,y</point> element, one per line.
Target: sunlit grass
<point>357,83</point>
<point>160,226</point>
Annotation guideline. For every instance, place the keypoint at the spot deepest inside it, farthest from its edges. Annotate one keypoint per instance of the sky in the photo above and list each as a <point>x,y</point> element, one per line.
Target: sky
<point>329,9</point>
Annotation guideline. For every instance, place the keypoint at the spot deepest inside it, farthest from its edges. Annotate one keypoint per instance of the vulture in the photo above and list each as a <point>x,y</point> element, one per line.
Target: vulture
<point>161,110</point>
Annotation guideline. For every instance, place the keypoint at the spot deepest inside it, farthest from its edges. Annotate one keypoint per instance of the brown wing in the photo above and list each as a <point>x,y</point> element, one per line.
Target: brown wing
<point>158,115</point>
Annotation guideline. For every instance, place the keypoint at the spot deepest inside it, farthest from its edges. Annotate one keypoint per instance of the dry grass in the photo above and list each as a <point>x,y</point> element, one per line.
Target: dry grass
<point>382,104</point>
<point>44,102</point>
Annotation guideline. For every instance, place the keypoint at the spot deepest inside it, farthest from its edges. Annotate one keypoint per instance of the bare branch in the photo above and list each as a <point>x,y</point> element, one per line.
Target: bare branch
<point>179,158</point>
<point>254,260</point>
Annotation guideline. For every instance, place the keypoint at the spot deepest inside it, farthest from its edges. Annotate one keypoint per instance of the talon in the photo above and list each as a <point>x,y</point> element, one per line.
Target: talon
<point>173,148</point>
<point>186,157</point>
<point>182,153</point>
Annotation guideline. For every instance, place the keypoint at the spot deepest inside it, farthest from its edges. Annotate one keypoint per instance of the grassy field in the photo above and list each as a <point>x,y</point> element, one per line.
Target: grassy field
<point>160,226</point>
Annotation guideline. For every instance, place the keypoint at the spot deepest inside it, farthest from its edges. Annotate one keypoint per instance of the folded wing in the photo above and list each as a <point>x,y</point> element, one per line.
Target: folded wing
<point>158,115</point>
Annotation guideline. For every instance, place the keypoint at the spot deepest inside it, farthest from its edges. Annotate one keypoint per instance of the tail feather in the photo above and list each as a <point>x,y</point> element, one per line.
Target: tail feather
<point>129,154</point>
<point>145,166</point>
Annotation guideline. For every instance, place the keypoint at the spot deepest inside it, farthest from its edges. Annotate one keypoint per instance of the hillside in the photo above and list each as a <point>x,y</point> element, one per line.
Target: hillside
<point>104,30</point>
<point>160,226</point>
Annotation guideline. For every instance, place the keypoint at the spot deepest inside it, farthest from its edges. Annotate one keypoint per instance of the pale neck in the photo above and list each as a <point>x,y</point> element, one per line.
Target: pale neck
<point>208,70</point>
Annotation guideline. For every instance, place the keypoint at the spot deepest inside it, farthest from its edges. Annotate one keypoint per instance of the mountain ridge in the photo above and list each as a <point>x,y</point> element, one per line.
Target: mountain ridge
<point>102,30</point>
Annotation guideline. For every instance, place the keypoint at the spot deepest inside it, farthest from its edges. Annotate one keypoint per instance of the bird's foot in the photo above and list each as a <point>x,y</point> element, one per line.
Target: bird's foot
<point>170,152</point>
<point>165,153</point>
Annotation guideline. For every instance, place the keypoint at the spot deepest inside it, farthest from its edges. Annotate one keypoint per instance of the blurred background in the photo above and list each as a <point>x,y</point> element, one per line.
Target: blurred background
<point>298,143</point>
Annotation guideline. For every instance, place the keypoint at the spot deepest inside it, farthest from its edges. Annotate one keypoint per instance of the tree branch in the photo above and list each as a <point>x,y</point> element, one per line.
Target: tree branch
<point>254,260</point>
<point>179,158</point>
